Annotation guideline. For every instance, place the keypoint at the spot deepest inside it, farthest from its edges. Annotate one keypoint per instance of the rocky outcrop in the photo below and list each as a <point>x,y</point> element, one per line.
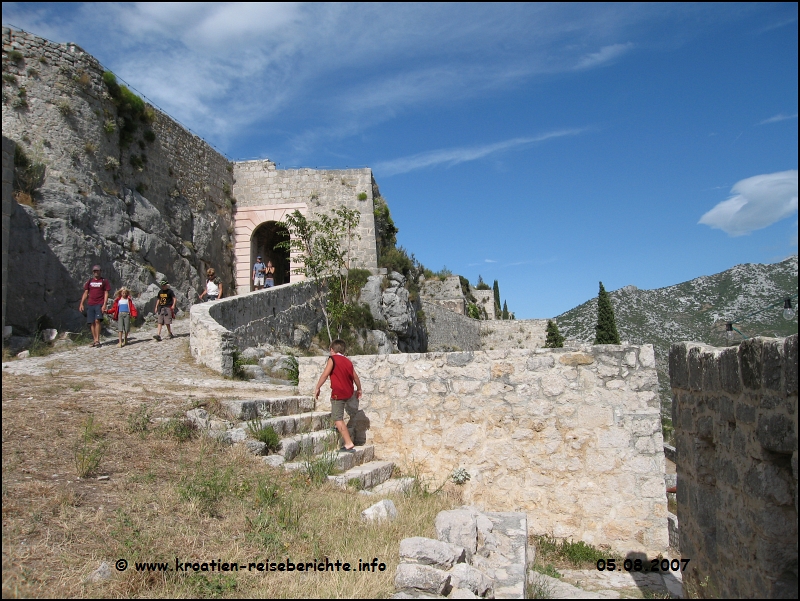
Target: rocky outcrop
<point>393,306</point>
<point>147,205</point>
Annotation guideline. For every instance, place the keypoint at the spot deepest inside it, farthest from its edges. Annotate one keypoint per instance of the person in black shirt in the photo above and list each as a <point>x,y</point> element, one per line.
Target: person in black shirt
<point>165,309</point>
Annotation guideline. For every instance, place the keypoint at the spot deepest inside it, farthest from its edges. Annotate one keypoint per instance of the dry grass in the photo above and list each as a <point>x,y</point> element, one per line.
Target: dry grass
<point>163,499</point>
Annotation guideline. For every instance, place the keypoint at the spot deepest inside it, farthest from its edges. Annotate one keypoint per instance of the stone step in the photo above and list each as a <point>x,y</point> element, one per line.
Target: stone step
<point>343,461</point>
<point>289,425</point>
<point>251,409</point>
<point>312,443</point>
<point>368,475</point>
<point>393,486</point>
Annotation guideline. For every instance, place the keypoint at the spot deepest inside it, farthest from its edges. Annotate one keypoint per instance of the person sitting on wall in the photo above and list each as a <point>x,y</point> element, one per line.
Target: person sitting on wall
<point>165,309</point>
<point>213,289</point>
<point>269,274</point>
<point>259,271</point>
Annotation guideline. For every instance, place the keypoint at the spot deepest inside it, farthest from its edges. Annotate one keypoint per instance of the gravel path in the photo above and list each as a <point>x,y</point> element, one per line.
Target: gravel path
<point>143,360</point>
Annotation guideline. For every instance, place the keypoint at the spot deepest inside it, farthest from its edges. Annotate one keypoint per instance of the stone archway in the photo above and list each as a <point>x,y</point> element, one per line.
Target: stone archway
<point>248,222</point>
<point>262,243</point>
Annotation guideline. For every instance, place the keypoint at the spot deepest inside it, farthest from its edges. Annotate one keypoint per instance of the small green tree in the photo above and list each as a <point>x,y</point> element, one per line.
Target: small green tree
<point>606,328</point>
<point>324,245</point>
<point>496,288</point>
<point>481,284</point>
<point>505,310</point>
<point>554,338</point>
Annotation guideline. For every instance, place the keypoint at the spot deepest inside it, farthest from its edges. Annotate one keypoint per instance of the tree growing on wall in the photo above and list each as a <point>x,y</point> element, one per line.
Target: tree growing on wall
<point>324,248</point>
<point>496,288</point>
<point>606,328</point>
<point>554,338</point>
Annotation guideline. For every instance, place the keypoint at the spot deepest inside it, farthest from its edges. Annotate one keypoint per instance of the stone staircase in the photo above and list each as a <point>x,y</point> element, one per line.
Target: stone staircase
<point>305,435</point>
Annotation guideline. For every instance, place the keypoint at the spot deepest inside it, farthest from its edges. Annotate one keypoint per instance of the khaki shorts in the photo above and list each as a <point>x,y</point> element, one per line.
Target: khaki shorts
<point>164,316</point>
<point>338,408</point>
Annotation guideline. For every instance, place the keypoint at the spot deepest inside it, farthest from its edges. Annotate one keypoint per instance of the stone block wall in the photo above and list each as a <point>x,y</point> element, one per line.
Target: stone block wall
<point>449,331</point>
<point>513,333</point>
<point>572,437</point>
<point>447,294</point>
<point>735,417</point>
<point>177,223</point>
<point>8,205</point>
<point>272,316</point>
<point>485,300</point>
<point>264,192</point>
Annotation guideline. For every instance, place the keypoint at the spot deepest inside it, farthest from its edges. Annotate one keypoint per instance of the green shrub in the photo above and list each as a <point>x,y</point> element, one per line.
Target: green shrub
<point>264,433</point>
<point>89,449</point>
<point>293,370</point>
<point>362,196</point>
<point>181,429</point>
<point>15,56</point>
<point>396,259</point>
<point>149,136</point>
<point>10,78</point>
<point>141,188</point>
<point>28,175</point>
<point>109,126</point>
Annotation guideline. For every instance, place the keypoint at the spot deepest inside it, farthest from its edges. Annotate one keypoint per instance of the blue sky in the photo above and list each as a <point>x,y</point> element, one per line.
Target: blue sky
<point>546,146</point>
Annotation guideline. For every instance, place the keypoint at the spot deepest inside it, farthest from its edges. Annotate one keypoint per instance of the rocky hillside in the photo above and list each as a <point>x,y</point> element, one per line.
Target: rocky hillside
<point>694,310</point>
<point>109,180</point>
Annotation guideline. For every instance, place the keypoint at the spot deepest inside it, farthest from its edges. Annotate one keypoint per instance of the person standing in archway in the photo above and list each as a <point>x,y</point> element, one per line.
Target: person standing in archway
<point>259,271</point>
<point>269,272</point>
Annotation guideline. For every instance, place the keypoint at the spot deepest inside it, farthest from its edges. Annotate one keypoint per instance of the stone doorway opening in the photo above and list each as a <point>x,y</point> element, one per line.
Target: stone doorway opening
<point>262,243</point>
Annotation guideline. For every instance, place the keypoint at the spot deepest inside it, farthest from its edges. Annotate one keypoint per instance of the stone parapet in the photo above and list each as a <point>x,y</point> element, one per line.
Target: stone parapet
<point>735,416</point>
<point>514,333</point>
<point>449,331</point>
<point>279,315</point>
<point>572,437</point>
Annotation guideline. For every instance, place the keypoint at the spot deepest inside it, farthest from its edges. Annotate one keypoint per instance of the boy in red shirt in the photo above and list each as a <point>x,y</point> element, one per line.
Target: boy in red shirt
<point>342,375</point>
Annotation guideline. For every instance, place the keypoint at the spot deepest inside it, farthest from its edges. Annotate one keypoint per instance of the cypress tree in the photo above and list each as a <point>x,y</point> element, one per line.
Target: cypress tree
<point>505,310</point>
<point>606,328</point>
<point>496,289</point>
<point>554,337</point>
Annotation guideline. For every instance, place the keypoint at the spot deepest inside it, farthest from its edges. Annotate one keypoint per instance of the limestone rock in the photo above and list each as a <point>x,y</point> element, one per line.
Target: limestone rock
<point>301,337</point>
<point>575,359</point>
<point>199,417</point>
<point>253,353</point>
<point>466,577</point>
<point>103,572</point>
<point>371,296</point>
<point>382,510</point>
<point>255,447</point>
<point>458,527</point>
<point>274,460</point>
<point>428,551</point>
<point>462,593</point>
<point>422,578</point>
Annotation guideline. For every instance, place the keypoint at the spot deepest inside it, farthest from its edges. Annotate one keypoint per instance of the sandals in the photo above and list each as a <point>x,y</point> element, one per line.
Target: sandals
<point>344,450</point>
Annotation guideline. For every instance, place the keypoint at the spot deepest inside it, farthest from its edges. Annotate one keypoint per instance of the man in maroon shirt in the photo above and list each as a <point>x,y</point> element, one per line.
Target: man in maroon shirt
<point>96,290</point>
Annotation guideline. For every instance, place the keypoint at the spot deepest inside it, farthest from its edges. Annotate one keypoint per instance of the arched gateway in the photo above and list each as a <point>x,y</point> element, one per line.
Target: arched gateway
<point>258,230</point>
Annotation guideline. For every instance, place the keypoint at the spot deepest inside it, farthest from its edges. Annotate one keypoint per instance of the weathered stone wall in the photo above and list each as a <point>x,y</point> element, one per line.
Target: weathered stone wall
<point>513,333</point>
<point>272,316</point>
<point>449,331</point>
<point>485,300</point>
<point>260,186</point>
<point>447,293</point>
<point>735,416</point>
<point>57,108</point>
<point>8,206</point>
<point>572,437</point>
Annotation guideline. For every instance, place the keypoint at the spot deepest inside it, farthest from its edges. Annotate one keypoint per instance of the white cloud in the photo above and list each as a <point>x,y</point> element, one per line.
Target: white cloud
<point>756,203</point>
<point>778,117</point>
<point>453,156</point>
<point>605,55</point>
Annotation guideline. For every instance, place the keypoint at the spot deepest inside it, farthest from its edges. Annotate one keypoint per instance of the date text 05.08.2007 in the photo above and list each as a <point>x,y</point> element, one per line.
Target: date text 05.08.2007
<point>639,565</point>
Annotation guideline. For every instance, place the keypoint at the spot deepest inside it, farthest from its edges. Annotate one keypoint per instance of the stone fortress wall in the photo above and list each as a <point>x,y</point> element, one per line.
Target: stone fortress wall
<point>735,416</point>
<point>158,206</point>
<point>572,437</point>
<point>264,193</point>
<point>450,331</point>
<point>513,333</point>
<point>8,207</point>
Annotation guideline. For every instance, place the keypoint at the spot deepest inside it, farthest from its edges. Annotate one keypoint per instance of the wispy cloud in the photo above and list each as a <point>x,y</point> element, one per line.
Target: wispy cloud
<point>778,117</point>
<point>453,156</point>
<point>605,55</point>
<point>484,262</point>
<point>756,203</point>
